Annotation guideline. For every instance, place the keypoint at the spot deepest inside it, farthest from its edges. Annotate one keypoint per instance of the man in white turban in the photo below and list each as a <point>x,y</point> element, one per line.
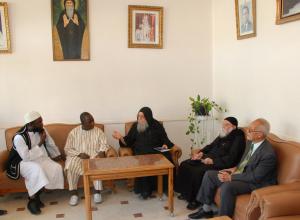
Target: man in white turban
<point>30,158</point>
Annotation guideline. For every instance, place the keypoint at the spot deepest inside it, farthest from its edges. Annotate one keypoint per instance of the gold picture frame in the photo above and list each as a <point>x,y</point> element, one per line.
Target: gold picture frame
<point>245,12</point>
<point>70,30</point>
<point>287,11</point>
<point>5,44</point>
<point>145,26</point>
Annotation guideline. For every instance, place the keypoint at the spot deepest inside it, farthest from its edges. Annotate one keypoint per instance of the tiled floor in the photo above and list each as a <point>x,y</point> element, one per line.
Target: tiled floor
<point>123,205</point>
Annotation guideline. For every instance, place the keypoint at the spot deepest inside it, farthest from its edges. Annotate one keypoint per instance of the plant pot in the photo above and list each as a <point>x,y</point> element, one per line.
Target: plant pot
<point>200,118</point>
<point>203,123</point>
<point>202,111</point>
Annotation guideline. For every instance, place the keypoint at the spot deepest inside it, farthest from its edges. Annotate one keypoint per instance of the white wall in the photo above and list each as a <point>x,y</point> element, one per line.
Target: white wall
<point>118,80</point>
<point>258,77</point>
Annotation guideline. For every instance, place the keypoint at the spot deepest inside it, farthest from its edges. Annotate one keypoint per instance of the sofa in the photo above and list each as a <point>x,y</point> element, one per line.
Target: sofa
<point>59,133</point>
<point>176,153</point>
<point>258,204</point>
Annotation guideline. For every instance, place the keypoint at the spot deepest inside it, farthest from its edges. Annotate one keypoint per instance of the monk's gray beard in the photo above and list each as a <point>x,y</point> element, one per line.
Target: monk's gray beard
<point>224,133</point>
<point>141,127</point>
<point>70,12</point>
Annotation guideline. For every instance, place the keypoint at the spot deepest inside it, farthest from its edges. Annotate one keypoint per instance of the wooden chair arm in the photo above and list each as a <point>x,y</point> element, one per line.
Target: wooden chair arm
<point>253,209</point>
<point>176,153</point>
<point>125,151</point>
<point>281,204</point>
<point>3,158</point>
<point>111,152</point>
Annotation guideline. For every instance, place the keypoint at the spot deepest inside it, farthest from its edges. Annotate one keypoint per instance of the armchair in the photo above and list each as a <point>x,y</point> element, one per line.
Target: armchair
<point>280,206</point>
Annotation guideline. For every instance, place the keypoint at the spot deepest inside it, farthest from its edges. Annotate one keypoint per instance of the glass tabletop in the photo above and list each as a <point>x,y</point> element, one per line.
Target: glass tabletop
<point>129,162</point>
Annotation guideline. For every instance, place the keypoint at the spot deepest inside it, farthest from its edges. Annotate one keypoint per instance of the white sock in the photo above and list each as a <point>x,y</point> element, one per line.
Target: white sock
<point>206,208</point>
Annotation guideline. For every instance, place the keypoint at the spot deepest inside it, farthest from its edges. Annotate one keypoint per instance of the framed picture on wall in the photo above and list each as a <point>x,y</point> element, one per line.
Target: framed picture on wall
<point>145,27</point>
<point>287,10</point>
<point>245,11</point>
<point>70,30</point>
<point>5,46</point>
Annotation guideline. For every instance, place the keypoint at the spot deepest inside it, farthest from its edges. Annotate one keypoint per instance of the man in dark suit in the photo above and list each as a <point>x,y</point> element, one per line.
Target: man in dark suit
<point>257,169</point>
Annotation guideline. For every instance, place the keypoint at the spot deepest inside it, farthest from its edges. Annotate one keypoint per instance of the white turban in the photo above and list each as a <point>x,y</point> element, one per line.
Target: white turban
<point>31,116</point>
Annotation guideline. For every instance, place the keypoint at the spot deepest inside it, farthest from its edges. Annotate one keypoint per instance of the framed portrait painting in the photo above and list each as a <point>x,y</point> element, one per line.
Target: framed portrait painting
<point>145,27</point>
<point>245,11</point>
<point>70,30</point>
<point>287,10</point>
<point>5,46</point>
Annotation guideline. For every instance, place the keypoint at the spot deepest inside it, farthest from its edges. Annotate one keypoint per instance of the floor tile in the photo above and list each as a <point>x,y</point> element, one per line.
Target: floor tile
<point>60,215</point>
<point>120,204</point>
<point>138,215</point>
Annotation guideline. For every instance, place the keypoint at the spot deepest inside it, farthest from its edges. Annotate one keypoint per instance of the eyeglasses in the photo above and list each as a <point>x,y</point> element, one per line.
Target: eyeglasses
<point>253,131</point>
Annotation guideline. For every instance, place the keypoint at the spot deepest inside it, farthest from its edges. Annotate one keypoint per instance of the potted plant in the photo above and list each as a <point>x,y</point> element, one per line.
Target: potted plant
<point>202,109</point>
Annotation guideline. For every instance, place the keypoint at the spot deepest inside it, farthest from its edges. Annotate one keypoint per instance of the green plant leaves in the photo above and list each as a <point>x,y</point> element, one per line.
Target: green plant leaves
<point>200,106</point>
<point>203,106</point>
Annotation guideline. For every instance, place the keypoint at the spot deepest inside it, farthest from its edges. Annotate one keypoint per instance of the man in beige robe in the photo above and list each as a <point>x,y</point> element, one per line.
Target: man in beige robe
<point>84,142</point>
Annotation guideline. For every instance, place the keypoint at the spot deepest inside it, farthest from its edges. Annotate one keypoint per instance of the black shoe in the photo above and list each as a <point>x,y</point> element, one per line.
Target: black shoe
<point>3,212</point>
<point>193,205</point>
<point>33,207</point>
<point>201,214</point>
<point>145,195</point>
<point>181,197</point>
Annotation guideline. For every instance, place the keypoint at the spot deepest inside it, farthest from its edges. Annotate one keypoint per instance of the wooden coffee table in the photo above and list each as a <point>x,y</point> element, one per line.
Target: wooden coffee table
<point>128,167</point>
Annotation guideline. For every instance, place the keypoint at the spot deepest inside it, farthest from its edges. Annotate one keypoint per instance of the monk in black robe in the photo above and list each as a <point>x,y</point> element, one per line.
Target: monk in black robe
<point>224,152</point>
<point>70,28</point>
<point>145,135</point>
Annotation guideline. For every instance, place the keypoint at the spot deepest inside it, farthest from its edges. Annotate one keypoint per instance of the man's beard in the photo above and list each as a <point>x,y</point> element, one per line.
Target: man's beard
<point>39,130</point>
<point>70,12</point>
<point>141,127</point>
<point>224,133</point>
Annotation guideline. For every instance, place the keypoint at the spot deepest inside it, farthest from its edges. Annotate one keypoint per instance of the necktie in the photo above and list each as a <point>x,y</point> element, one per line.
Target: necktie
<point>243,164</point>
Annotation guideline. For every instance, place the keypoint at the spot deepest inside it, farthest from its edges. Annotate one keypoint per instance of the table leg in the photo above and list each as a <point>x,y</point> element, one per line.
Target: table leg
<point>87,195</point>
<point>171,192</point>
<point>160,186</point>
